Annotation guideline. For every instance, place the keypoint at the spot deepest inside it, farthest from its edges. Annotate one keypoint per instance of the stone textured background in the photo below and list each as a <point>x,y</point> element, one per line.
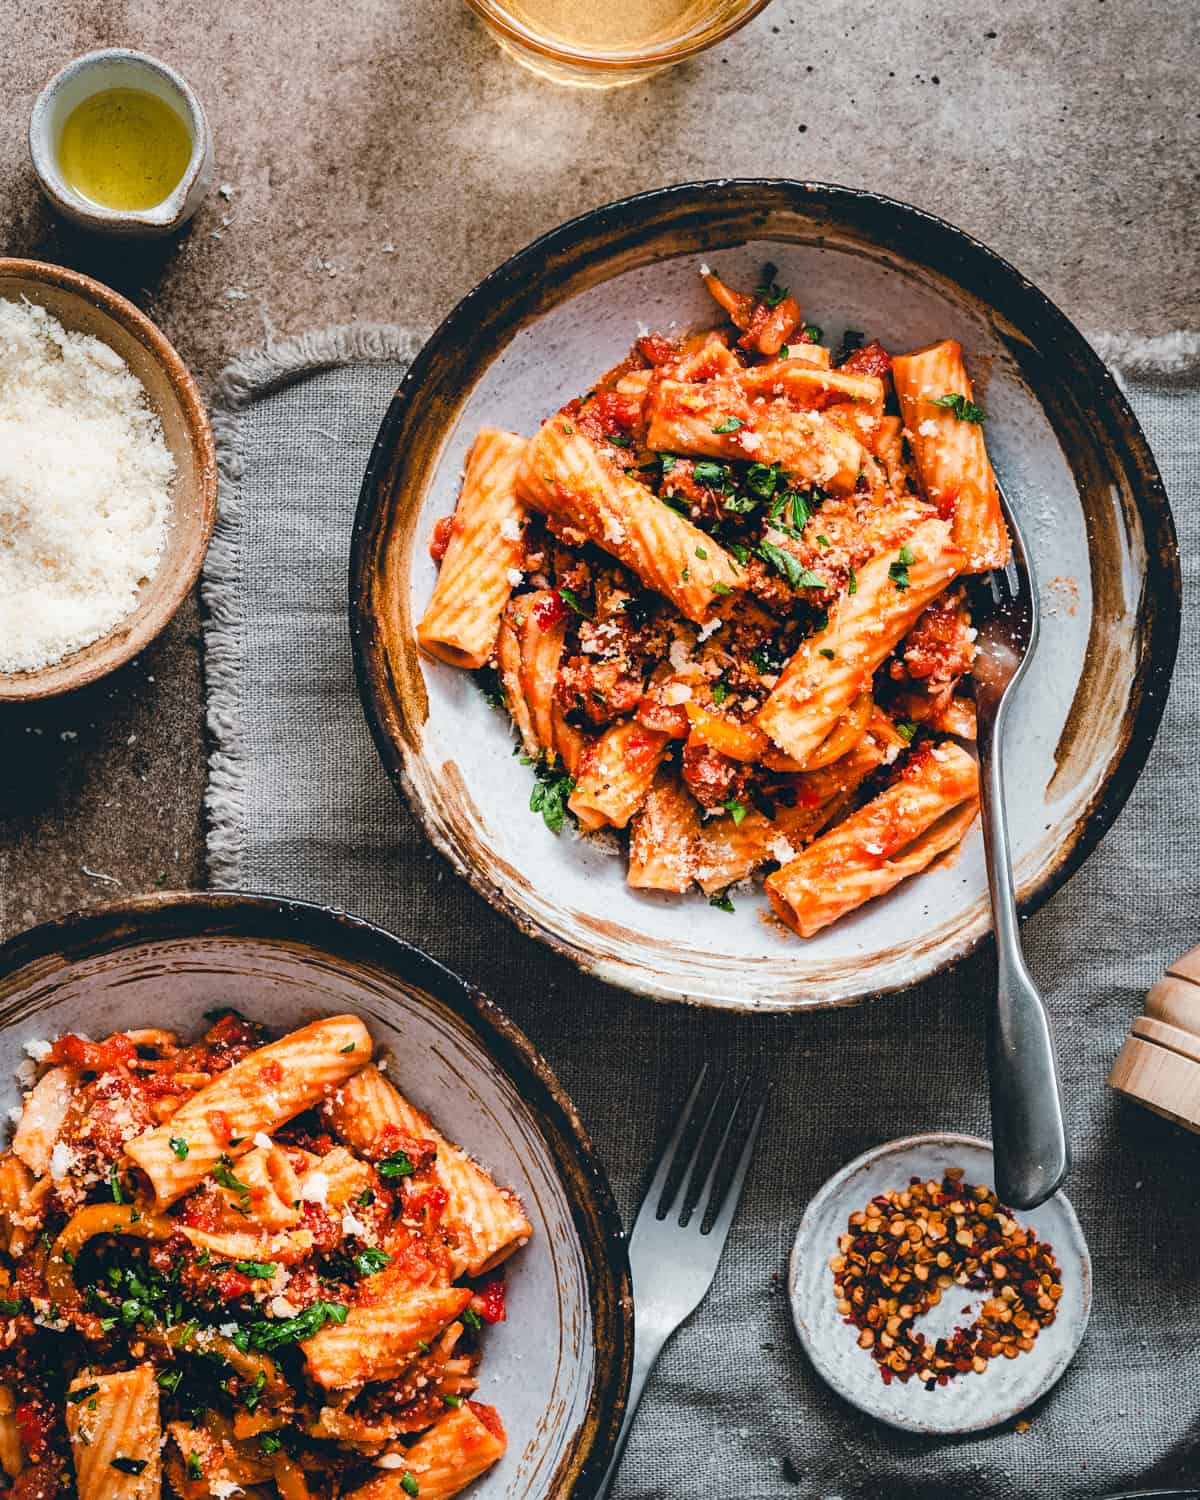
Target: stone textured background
<point>379,158</point>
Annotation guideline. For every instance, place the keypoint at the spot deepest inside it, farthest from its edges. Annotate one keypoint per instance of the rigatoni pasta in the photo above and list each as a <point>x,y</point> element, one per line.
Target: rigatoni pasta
<point>741,623</point>
<point>300,1314</point>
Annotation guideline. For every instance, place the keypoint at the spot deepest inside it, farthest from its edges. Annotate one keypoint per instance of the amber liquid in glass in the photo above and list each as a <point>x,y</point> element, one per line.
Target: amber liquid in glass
<point>612,25</point>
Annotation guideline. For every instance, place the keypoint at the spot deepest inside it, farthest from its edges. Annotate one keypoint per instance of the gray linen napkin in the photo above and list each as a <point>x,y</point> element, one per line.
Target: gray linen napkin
<point>299,805</point>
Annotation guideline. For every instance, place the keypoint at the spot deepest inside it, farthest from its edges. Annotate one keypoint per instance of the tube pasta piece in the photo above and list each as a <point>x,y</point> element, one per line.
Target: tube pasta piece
<point>12,1454</point>
<point>16,1181</point>
<point>716,419</point>
<point>541,652</point>
<point>508,658</point>
<point>115,1435</point>
<point>813,388</point>
<point>42,1117</point>
<point>615,774</point>
<point>274,1188</point>
<point>950,453</point>
<point>957,717</point>
<point>925,812</point>
<point>257,1095</point>
<point>382,1336</point>
<point>664,837</point>
<point>888,447</point>
<point>474,583</point>
<point>564,476</point>
<point>486,1222</point>
<point>815,689</point>
<point>451,1455</point>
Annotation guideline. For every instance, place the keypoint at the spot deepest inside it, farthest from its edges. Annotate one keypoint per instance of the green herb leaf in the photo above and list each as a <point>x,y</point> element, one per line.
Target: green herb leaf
<point>814,334</point>
<point>180,1147</point>
<point>739,505</point>
<point>618,440</point>
<point>84,1391</point>
<point>785,351</point>
<point>735,809</point>
<point>269,1442</point>
<point>128,1465</point>
<point>827,653</point>
<point>396,1165</point>
<point>801,513</point>
<point>852,583</point>
<point>257,1270</point>
<point>898,572</point>
<point>701,554</point>
<point>720,899</point>
<point>193,1469</point>
<point>371,1261</point>
<point>722,588</point>
<point>472,1319</point>
<point>719,693</point>
<point>454,1402</point>
<point>962,407</point>
<point>792,569</point>
<point>667,462</point>
<point>365,1198</point>
<point>277,1333</point>
<point>730,424</point>
<point>824,540</point>
<point>409,1485</point>
<point>348,1048</point>
<point>222,1175</point>
<point>549,797</point>
<point>770,291</point>
<point>114,1184</point>
<point>906,555</point>
<point>906,730</point>
<point>167,1379</point>
<point>10,1309</point>
<point>571,599</point>
<point>710,474</point>
<point>253,1395</point>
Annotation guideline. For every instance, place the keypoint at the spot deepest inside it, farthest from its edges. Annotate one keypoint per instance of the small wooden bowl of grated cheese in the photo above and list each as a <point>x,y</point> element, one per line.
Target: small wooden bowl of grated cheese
<point>108,480</point>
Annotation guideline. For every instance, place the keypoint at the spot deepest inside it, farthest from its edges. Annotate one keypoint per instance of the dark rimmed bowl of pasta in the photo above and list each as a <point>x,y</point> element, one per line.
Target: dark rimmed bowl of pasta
<point>697,486</point>
<point>289,1208</point>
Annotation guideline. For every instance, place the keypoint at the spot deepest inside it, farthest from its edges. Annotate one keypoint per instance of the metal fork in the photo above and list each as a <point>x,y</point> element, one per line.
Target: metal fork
<point>672,1257</point>
<point>1028,1134</point>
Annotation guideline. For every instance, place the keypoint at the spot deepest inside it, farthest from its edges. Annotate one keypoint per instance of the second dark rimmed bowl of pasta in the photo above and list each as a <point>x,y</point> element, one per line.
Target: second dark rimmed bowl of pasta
<point>288,1207</point>
<point>724,532</point>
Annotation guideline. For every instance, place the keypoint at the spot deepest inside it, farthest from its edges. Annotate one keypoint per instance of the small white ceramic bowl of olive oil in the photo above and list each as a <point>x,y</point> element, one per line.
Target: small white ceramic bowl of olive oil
<point>121,145</point>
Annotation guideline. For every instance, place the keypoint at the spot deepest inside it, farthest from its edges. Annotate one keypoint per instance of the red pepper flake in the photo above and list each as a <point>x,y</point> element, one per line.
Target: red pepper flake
<point>488,1301</point>
<point>906,1248</point>
<point>218,1122</point>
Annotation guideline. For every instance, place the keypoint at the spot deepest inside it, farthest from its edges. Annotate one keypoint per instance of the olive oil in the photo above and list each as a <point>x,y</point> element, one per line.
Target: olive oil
<point>601,25</point>
<point>124,149</point>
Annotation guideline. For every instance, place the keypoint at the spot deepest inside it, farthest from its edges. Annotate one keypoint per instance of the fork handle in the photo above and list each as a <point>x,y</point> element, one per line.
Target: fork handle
<point>646,1349</point>
<point>1029,1137</point>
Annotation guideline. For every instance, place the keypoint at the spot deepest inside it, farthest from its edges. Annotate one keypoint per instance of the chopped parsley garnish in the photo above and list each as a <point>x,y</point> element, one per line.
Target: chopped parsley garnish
<point>898,572</point>
<point>770,291</point>
<point>371,1261</point>
<point>791,567</point>
<point>566,429</point>
<point>739,505</point>
<point>852,583</point>
<point>719,693</point>
<point>851,340</point>
<point>684,573</point>
<point>222,1175</point>
<point>409,1485</point>
<point>114,1184</point>
<point>906,730</point>
<point>487,680</point>
<point>348,1048</point>
<point>180,1147</point>
<point>730,424</point>
<point>365,1198</point>
<point>764,659</point>
<point>824,540</point>
<point>270,1442</point>
<point>618,440</point>
<point>785,351</point>
<point>548,797</point>
<point>720,899</point>
<point>571,599</point>
<point>813,334</point>
<point>962,407</point>
<point>254,1394</point>
<point>735,809</point>
<point>396,1165</point>
<point>84,1391</point>
<point>257,1270</point>
<point>722,588</point>
<point>739,551</point>
<point>472,1319</point>
<point>710,474</point>
<point>667,462</point>
<point>167,1379</point>
<point>827,653</point>
<point>128,1465</point>
<point>454,1402</point>
<point>9,1309</point>
<point>279,1332</point>
<point>194,1471</point>
<point>763,479</point>
<point>701,554</point>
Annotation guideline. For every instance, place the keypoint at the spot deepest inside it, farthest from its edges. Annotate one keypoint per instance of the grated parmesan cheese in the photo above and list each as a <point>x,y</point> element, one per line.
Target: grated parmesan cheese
<point>38,1050</point>
<point>315,1187</point>
<point>510,529</point>
<point>62,1159</point>
<point>84,489</point>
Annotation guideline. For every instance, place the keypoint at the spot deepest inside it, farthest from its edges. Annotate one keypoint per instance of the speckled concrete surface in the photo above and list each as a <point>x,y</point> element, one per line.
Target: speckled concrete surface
<point>380,157</point>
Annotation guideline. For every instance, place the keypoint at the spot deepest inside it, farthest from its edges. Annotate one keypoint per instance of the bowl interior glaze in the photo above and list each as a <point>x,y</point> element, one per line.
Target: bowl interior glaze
<point>1064,442</point>
<point>558,1368</point>
<point>82,305</point>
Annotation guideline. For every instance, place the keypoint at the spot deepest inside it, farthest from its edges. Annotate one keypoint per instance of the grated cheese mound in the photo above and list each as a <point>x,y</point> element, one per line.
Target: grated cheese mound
<point>84,489</point>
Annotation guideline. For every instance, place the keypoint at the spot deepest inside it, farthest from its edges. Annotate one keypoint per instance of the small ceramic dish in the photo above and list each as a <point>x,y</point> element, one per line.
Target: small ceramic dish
<point>86,306</point>
<point>1065,444</point>
<point>119,68</point>
<point>559,1367</point>
<point>969,1403</point>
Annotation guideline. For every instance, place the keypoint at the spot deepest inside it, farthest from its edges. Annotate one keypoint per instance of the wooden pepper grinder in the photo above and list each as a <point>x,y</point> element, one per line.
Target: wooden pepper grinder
<point>1159,1065</point>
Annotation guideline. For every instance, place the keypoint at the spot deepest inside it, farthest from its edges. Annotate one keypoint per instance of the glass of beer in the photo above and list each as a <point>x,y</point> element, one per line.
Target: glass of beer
<point>605,43</point>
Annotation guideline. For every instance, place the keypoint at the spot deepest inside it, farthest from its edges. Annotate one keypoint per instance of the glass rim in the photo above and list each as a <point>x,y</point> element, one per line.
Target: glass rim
<point>496,15</point>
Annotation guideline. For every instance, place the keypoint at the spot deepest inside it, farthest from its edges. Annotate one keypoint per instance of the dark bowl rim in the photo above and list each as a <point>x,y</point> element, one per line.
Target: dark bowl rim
<point>1160,606</point>
<point>168,915</point>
